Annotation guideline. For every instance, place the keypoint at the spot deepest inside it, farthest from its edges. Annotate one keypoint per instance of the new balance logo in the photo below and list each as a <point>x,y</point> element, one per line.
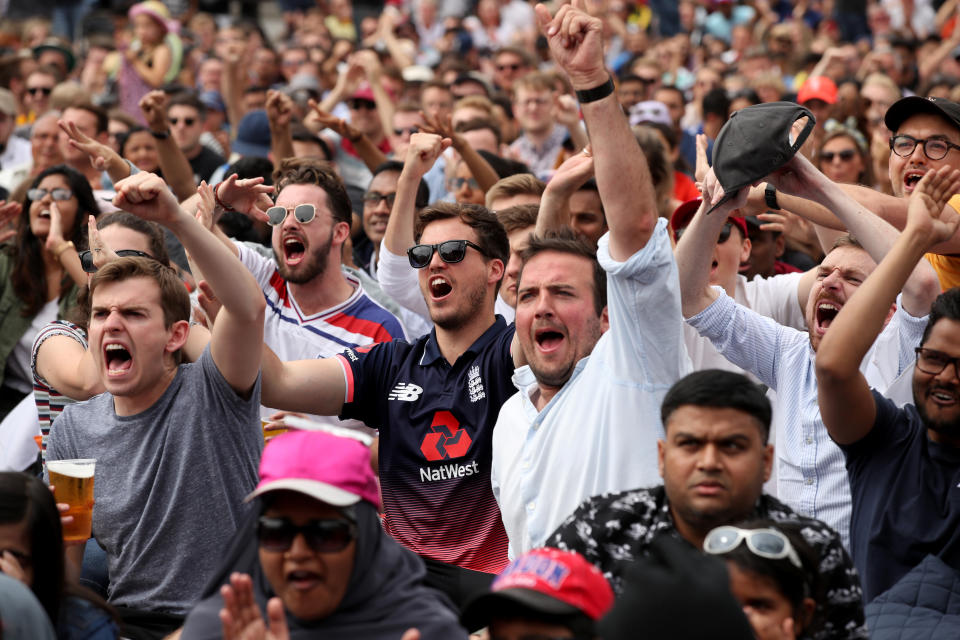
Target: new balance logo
<point>406,391</point>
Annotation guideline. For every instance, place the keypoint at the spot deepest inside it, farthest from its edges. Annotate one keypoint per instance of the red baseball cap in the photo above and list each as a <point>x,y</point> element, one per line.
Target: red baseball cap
<point>683,214</point>
<point>546,581</point>
<point>818,88</point>
<point>326,467</point>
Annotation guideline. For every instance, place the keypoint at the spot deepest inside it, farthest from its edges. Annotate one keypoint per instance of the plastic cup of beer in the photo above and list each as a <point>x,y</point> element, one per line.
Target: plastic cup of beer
<point>73,483</point>
<point>272,429</point>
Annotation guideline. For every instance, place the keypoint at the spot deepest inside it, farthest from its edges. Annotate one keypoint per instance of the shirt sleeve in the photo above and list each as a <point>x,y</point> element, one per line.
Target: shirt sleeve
<point>367,374</point>
<point>753,342</point>
<point>776,298</point>
<point>262,268</point>
<point>910,335</point>
<point>55,328</point>
<point>399,281</point>
<point>890,431</point>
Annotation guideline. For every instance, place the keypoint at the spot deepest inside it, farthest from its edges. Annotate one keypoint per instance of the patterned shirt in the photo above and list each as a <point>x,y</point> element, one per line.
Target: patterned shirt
<point>541,159</point>
<point>614,529</point>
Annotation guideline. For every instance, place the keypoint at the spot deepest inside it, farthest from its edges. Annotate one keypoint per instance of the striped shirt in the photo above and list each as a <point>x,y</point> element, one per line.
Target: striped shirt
<point>358,321</point>
<point>812,473</point>
<point>50,402</point>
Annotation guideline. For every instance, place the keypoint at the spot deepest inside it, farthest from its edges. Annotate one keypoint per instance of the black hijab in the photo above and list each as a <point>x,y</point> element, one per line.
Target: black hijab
<point>385,595</point>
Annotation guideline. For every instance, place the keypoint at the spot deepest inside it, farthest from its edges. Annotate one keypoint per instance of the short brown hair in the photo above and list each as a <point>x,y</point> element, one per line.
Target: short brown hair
<point>536,81</point>
<point>481,103</point>
<point>479,124</point>
<point>515,185</point>
<point>174,299</point>
<point>318,173</point>
<point>491,236</point>
<point>519,216</point>
<point>565,240</point>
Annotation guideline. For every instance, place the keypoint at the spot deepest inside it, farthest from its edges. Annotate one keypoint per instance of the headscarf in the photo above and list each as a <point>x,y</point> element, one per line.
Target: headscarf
<point>385,595</point>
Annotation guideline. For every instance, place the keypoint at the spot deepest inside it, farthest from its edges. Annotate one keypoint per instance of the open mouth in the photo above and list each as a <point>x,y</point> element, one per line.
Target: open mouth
<point>439,287</point>
<point>826,312</point>
<point>303,580</point>
<point>117,359</point>
<point>45,213</point>
<point>548,339</point>
<point>911,178</point>
<point>293,251</point>
<point>943,397</point>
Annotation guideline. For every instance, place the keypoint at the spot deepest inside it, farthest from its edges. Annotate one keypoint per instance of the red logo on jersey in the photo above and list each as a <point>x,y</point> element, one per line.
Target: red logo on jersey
<point>447,439</point>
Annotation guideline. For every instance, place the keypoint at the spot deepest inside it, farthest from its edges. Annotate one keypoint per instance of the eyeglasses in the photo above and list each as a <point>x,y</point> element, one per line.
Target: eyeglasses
<point>846,155</point>
<point>724,233</point>
<point>373,198</point>
<point>186,121</point>
<point>323,536</point>
<point>533,102</point>
<point>86,258</point>
<point>411,130</point>
<point>359,103</point>
<point>510,67</point>
<point>646,81</point>
<point>451,252</point>
<point>304,213</point>
<point>38,90</point>
<point>933,362</point>
<point>934,148</point>
<point>58,194</point>
<point>455,184</point>
<point>765,543</point>
<point>23,559</point>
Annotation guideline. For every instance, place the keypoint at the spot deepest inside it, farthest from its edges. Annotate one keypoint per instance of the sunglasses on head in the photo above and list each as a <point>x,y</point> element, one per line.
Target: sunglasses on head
<point>724,233</point>
<point>764,543</point>
<point>451,252</point>
<point>411,130</point>
<point>304,213</point>
<point>359,103</point>
<point>187,121</point>
<point>322,536</point>
<point>58,194</point>
<point>86,258</point>
<point>38,90</point>
<point>373,198</point>
<point>846,155</point>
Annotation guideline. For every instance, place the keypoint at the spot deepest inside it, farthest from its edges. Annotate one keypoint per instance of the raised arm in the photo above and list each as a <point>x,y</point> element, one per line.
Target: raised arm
<point>481,170</point>
<point>175,166</point>
<point>800,178</point>
<point>279,111</point>
<point>320,119</point>
<point>240,321</point>
<point>846,403</point>
<point>102,157</point>
<point>623,178</point>
<point>423,151</point>
<point>311,386</point>
<point>555,204</point>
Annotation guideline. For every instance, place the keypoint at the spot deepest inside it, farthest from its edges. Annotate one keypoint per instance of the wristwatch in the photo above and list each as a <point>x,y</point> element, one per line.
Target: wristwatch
<point>770,195</point>
<point>160,135</point>
<point>596,93</point>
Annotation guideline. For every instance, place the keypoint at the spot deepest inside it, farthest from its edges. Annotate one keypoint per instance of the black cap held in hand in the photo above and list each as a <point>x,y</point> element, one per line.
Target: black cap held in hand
<point>676,593</point>
<point>755,142</point>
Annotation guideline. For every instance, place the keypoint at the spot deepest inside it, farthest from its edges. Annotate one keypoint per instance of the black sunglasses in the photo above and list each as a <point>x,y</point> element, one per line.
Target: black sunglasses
<point>724,233</point>
<point>58,194</point>
<point>359,103</point>
<point>373,198</point>
<point>412,130</point>
<point>37,90</point>
<point>86,258</point>
<point>846,155</point>
<point>451,252</point>
<point>304,213</point>
<point>187,121</point>
<point>511,67</point>
<point>323,536</point>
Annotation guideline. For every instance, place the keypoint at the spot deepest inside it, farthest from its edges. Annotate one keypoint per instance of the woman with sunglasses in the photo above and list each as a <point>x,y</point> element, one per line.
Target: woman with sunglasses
<point>843,156</point>
<point>773,573</point>
<point>31,551</point>
<point>40,271</point>
<point>314,560</point>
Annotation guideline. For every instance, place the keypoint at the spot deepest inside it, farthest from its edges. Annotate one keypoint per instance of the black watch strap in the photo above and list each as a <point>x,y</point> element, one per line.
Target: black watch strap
<point>160,135</point>
<point>596,93</point>
<point>770,195</point>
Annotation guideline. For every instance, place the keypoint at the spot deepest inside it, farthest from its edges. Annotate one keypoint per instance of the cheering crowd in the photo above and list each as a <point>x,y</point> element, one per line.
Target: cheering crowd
<point>436,319</point>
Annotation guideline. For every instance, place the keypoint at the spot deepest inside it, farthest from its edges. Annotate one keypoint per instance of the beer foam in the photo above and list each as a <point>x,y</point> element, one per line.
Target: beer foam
<point>72,468</point>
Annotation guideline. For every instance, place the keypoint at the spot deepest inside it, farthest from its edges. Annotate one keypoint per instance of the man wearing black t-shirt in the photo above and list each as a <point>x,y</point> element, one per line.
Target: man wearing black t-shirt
<point>185,113</point>
<point>903,464</point>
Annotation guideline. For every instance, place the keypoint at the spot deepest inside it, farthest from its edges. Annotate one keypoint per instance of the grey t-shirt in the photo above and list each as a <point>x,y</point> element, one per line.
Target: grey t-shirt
<point>170,482</point>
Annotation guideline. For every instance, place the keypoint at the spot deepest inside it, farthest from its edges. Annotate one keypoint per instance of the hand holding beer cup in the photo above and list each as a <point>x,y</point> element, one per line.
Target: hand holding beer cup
<point>72,481</point>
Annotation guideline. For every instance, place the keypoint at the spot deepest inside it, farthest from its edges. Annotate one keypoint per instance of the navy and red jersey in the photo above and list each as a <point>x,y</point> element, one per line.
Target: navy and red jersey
<point>436,425</point>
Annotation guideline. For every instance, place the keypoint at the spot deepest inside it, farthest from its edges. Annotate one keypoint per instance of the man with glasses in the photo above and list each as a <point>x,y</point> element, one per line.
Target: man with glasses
<point>714,458</point>
<point>177,445</point>
<point>509,64</point>
<point>36,94</point>
<point>903,463</point>
<point>315,309</point>
<point>185,114</point>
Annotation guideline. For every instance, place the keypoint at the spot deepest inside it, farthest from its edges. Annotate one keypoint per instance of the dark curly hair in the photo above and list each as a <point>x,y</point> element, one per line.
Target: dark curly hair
<point>28,277</point>
<point>318,173</point>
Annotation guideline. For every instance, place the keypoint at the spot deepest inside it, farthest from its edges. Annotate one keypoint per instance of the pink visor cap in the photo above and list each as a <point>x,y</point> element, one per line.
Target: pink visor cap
<point>323,466</point>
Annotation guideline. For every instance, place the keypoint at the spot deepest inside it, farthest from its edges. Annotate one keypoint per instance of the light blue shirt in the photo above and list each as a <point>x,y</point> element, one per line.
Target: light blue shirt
<point>812,473</point>
<point>599,432</point>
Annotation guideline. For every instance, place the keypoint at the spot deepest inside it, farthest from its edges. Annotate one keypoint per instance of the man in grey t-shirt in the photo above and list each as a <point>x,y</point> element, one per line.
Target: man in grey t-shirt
<point>176,445</point>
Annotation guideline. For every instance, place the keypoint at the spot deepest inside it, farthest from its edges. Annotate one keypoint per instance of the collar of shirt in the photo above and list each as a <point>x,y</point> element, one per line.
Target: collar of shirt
<point>526,383</point>
<point>431,350</point>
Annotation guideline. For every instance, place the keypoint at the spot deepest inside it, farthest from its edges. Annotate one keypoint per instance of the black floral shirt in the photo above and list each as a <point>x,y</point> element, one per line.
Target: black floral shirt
<point>614,529</point>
